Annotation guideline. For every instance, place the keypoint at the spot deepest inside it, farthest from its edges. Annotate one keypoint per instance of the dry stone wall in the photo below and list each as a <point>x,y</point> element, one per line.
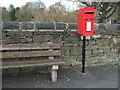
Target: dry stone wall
<point>103,48</point>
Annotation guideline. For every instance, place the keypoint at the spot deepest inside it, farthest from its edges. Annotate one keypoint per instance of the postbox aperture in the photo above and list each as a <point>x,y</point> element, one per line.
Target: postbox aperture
<point>86,21</point>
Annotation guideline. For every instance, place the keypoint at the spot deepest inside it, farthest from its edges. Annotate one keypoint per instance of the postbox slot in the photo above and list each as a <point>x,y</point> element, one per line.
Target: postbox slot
<point>89,12</point>
<point>88,19</point>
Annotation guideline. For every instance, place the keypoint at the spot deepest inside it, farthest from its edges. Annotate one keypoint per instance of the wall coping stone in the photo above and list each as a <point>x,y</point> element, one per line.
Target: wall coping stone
<point>55,26</point>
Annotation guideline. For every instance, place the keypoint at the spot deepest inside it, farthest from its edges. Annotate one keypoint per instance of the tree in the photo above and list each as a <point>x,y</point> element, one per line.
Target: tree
<point>17,9</point>
<point>103,10</point>
<point>37,5</point>
<point>57,12</point>
<point>58,6</point>
<point>71,17</point>
<point>12,12</point>
<point>39,10</point>
<point>24,13</point>
<point>118,12</point>
<point>5,14</point>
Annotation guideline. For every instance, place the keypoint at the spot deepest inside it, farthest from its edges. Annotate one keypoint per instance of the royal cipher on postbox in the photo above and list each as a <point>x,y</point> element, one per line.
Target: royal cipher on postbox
<point>86,21</point>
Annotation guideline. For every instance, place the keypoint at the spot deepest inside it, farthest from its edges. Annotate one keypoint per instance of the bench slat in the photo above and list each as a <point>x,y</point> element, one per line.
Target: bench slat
<point>28,46</point>
<point>30,54</point>
<point>16,64</point>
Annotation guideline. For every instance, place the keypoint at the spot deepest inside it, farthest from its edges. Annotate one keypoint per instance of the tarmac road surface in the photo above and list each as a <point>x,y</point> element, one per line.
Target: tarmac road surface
<point>95,77</point>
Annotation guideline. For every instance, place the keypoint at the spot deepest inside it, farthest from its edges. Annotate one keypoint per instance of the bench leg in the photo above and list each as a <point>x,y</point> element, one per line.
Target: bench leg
<point>54,73</point>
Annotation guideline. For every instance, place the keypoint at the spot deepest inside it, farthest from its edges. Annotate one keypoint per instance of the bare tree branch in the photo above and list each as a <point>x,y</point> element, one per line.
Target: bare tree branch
<point>111,13</point>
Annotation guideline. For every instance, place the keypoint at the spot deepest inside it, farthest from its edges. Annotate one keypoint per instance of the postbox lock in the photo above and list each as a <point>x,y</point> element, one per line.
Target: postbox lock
<point>88,19</point>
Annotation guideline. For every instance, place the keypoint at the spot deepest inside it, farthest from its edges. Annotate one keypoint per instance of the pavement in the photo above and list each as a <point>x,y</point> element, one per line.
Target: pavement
<point>95,77</point>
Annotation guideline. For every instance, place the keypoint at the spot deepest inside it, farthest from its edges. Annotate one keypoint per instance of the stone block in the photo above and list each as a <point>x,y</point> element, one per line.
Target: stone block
<point>79,58</point>
<point>67,53</point>
<point>27,34</point>
<point>27,26</point>
<point>70,58</point>
<point>100,42</point>
<point>26,40</point>
<point>107,49</point>
<point>96,26</point>
<point>14,35</point>
<point>101,47</point>
<point>92,42</point>
<point>1,23</point>
<point>73,34</point>
<point>19,34</point>
<point>118,27</point>
<point>75,44</point>
<point>113,50</point>
<point>109,63</point>
<point>60,26</point>
<point>106,36</point>
<point>72,26</point>
<point>9,41</point>
<point>111,27</point>
<point>10,25</point>
<point>88,63</point>
<point>55,33</point>
<point>108,41</point>
<point>67,60</point>
<point>62,53</point>
<point>99,58</point>
<point>88,52</point>
<point>80,43</point>
<point>40,38</point>
<point>113,55</point>
<point>68,44</point>
<point>71,39</point>
<point>44,25</point>
<point>96,36</point>
<point>97,51</point>
<point>3,34</point>
<point>76,63</point>
<point>55,39</point>
<point>65,48</point>
<point>102,26</point>
<point>76,51</point>
<point>116,40</point>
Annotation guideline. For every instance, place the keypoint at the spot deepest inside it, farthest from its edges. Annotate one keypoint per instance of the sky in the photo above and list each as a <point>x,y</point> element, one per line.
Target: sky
<point>19,3</point>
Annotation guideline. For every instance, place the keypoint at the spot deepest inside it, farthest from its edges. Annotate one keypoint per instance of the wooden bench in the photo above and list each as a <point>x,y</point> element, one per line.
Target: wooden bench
<point>19,51</point>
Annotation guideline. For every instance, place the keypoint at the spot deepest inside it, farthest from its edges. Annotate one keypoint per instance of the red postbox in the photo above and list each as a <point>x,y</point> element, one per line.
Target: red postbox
<point>86,21</point>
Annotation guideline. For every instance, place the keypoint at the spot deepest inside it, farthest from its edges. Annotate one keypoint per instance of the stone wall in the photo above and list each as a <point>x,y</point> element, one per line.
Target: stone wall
<point>102,48</point>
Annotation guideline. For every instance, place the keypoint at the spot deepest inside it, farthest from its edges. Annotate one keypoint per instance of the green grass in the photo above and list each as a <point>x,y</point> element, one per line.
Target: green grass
<point>43,72</point>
